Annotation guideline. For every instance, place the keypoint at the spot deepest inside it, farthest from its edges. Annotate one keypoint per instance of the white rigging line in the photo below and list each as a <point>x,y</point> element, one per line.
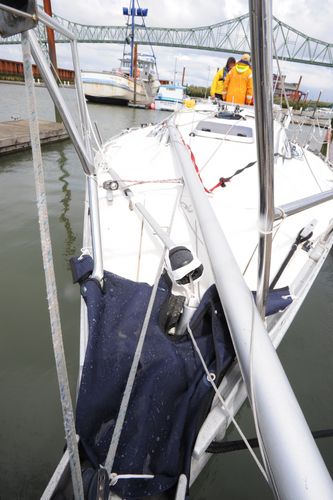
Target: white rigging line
<point>131,376</point>
<point>133,370</point>
<point>210,379</point>
<point>151,46</point>
<point>220,144</point>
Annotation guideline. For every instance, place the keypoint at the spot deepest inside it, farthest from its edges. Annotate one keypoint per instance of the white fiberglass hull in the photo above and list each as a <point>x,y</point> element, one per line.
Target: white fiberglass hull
<point>167,105</point>
<point>238,199</point>
<point>117,88</point>
<point>132,250</point>
<point>143,160</point>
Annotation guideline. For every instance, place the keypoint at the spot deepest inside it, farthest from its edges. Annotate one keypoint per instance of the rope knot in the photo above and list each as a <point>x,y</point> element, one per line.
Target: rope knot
<point>223,181</point>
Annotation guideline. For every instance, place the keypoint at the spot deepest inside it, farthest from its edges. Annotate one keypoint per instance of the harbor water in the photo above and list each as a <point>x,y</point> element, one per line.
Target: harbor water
<point>31,430</point>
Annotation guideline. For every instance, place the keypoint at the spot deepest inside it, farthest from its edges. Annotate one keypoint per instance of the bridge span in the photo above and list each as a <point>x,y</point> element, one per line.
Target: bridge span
<point>231,36</point>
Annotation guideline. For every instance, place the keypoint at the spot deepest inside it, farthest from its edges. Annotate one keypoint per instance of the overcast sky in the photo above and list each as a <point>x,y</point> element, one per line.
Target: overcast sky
<point>308,16</point>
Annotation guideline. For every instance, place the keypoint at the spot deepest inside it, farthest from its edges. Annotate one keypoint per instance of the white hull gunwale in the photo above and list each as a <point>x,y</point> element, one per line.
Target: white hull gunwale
<point>168,105</point>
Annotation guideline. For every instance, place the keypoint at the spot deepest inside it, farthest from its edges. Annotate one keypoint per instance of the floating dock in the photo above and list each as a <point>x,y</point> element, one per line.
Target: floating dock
<point>15,135</point>
<point>307,118</point>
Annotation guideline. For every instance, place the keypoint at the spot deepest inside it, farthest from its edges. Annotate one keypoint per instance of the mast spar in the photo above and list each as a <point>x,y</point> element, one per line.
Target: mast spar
<point>133,12</point>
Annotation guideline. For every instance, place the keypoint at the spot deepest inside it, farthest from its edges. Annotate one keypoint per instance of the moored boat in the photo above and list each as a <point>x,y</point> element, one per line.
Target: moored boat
<point>119,87</point>
<point>172,339</point>
<point>170,97</point>
<point>135,81</point>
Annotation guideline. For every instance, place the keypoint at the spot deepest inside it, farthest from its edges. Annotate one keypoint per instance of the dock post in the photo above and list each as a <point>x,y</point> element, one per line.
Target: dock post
<point>52,52</point>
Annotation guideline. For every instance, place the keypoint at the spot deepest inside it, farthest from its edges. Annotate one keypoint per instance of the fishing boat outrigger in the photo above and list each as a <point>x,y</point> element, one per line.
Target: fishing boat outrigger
<point>183,306</point>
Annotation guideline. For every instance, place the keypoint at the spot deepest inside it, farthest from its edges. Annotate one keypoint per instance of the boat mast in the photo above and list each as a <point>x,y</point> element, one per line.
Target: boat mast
<point>135,68</point>
<point>261,42</point>
<point>132,36</point>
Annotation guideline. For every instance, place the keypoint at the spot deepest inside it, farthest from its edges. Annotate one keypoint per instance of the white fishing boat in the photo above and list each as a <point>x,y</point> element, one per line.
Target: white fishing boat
<point>136,80</point>
<point>202,237</point>
<point>170,97</point>
<point>119,87</point>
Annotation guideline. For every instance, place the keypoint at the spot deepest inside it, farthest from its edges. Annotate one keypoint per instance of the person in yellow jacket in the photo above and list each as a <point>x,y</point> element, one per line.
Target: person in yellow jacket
<point>217,83</point>
<point>238,87</point>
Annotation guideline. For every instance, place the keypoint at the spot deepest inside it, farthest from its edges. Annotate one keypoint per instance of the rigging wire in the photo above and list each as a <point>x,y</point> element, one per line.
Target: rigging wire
<point>210,379</point>
<point>311,171</point>
<point>151,46</point>
<point>221,143</point>
<point>131,376</point>
<point>135,363</point>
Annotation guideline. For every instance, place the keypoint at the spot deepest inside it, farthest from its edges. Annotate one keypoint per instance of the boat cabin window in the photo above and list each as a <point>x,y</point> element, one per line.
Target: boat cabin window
<point>224,130</point>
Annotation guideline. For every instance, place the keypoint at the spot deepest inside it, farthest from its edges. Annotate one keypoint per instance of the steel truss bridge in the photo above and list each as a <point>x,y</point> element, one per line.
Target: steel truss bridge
<point>232,36</point>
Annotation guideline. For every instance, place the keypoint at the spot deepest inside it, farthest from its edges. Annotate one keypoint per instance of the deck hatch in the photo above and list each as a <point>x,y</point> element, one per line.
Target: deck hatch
<point>224,130</point>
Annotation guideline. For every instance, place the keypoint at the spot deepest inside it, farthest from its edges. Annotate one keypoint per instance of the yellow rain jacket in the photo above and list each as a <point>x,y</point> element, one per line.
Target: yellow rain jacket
<point>218,80</point>
<point>238,87</point>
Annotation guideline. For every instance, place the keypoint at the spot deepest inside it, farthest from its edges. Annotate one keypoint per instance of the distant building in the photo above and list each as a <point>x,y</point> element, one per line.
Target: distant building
<point>291,89</point>
<point>165,82</point>
<point>13,70</point>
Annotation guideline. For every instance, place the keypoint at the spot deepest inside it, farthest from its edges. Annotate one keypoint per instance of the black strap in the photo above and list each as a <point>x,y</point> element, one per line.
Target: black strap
<point>227,446</point>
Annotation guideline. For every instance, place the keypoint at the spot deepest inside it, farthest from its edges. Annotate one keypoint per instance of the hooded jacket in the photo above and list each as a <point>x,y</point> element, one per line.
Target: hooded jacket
<point>218,81</point>
<point>238,87</point>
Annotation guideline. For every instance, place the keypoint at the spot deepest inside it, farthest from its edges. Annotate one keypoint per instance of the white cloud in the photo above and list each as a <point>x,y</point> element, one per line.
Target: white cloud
<point>305,16</point>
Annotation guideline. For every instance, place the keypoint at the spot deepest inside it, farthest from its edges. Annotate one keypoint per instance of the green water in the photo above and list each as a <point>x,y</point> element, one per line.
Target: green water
<point>31,431</point>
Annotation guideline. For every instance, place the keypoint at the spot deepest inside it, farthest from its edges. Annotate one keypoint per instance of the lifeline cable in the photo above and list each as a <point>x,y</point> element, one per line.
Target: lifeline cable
<point>223,403</point>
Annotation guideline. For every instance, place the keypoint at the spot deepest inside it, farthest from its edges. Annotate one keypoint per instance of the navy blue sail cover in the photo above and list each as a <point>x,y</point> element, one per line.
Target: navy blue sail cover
<point>171,394</point>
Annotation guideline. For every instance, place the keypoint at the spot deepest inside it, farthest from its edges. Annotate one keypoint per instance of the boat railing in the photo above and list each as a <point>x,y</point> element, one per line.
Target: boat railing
<point>81,139</point>
<point>302,204</point>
